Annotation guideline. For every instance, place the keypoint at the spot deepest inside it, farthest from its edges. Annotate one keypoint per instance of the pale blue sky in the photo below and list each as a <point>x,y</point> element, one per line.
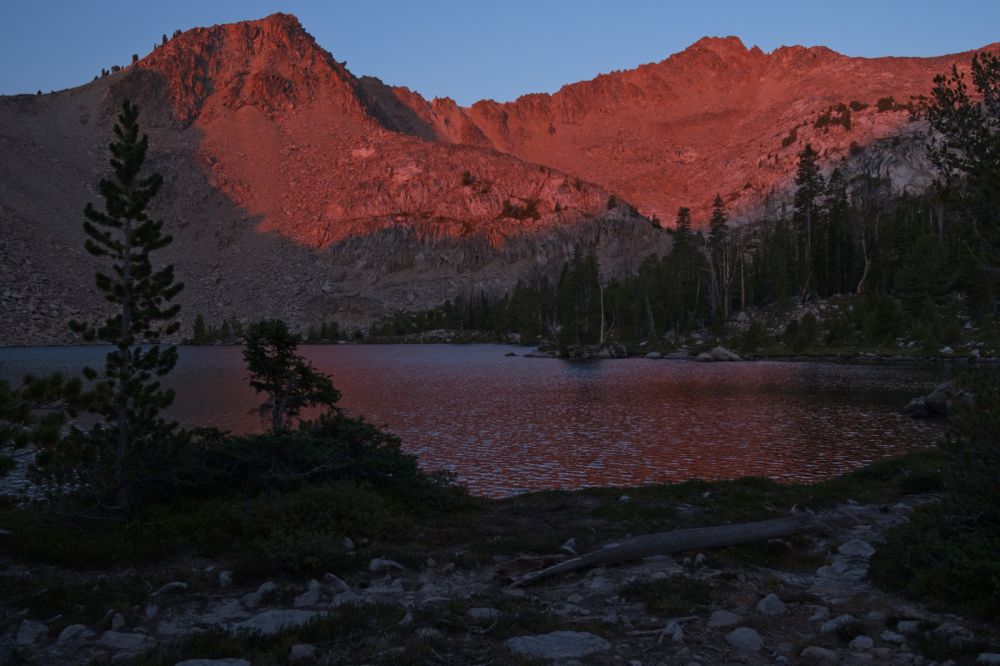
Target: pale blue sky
<point>473,49</point>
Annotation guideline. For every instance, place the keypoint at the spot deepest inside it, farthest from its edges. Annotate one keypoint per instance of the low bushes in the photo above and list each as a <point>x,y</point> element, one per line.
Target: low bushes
<point>950,551</point>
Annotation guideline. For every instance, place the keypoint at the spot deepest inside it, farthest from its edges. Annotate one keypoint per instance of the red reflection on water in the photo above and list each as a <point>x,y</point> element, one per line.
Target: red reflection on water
<point>511,424</point>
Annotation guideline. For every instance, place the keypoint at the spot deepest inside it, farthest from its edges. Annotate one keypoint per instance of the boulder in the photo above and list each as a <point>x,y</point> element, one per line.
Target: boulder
<point>383,565</point>
<point>723,618</point>
<point>892,637</point>
<point>771,605</point>
<point>310,597</point>
<point>30,632</point>
<point>723,354</point>
<point>253,599</point>
<point>938,399</point>
<point>273,621</point>
<point>818,655</point>
<point>836,623</point>
<point>917,408</point>
<point>335,583</point>
<point>745,639</point>
<point>861,643</point>
<point>75,632</point>
<point>857,548</point>
<point>558,645</point>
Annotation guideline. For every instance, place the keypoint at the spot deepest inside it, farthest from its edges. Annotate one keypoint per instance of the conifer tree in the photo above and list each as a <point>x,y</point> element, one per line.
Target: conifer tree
<point>290,383</point>
<point>810,185</point>
<point>128,397</point>
<point>966,147</point>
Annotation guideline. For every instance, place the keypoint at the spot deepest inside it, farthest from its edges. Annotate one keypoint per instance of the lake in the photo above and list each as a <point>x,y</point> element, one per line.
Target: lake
<point>507,425</point>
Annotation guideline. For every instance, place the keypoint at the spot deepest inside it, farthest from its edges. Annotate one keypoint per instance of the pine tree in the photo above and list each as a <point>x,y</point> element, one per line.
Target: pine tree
<point>721,258</point>
<point>129,397</point>
<point>199,334</point>
<point>810,185</point>
<point>289,381</point>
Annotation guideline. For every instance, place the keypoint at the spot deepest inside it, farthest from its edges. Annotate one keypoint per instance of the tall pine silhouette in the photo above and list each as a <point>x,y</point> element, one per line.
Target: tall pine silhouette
<point>128,395</point>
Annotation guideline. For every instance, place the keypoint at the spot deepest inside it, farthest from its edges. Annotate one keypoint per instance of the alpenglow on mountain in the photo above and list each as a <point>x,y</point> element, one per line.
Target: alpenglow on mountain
<point>295,189</point>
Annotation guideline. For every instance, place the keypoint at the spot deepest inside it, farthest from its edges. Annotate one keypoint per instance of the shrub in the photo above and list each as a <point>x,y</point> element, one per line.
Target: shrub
<point>949,550</point>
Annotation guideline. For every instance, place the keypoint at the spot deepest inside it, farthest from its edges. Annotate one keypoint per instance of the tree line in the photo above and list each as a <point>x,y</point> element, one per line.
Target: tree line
<point>900,257</point>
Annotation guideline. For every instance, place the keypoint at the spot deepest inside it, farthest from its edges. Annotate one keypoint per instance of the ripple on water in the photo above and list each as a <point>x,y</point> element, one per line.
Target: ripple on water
<point>510,424</point>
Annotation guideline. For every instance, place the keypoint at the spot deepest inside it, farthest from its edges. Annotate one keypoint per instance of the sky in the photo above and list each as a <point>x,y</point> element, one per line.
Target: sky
<point>476,49</point>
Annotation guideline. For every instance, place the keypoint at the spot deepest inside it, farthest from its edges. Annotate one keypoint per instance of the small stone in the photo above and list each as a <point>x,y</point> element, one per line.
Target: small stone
<point>569,546</point>
<point>771,605</point>
<point>381,564</point>
<point>861,643</point>
<point>117,622</point>
<point>784,649</point>
<point>892,637</point>
<point>30,632</point>
<point>857,548</point>
<point>347,543</point>
<point>483,614</point>
<point>225,578</point>
<point>819,655</point>
<point>151,611</point>
<point>302,652</point>
<point>836,623</point>
<point>233,661</point>
<point>624,499</point>
<point>723,618</point>
<point>908,627</point>
<point>558,645</point>
<point>745,639</point>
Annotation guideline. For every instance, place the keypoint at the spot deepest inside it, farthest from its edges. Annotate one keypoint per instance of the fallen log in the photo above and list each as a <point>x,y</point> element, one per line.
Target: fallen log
<point>665,543</point>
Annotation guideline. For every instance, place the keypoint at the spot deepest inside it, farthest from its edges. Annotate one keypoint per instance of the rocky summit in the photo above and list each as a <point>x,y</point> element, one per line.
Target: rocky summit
<point>295,189</point>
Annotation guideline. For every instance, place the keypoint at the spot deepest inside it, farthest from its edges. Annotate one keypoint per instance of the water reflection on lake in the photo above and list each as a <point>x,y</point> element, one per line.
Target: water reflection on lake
<point>511,424</point>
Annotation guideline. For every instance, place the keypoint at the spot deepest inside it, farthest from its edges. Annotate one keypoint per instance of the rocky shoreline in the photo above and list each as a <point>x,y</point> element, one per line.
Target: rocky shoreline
<point>699,608</point>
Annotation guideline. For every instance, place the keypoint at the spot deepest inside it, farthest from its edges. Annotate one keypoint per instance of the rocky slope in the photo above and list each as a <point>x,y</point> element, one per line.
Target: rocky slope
<point>717,117</point>
<point>295,189</point>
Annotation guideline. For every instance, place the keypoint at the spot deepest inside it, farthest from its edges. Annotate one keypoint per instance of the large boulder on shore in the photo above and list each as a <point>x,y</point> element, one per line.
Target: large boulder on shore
<point>938,402</point>
<point>718,354</point>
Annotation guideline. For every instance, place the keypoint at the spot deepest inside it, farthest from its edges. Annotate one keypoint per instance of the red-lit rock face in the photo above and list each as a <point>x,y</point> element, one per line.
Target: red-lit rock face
<point>715,118</point>
<point>291,134</point>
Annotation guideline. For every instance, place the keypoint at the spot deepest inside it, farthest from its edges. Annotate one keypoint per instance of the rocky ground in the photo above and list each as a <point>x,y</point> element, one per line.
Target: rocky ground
<point>699,608</point>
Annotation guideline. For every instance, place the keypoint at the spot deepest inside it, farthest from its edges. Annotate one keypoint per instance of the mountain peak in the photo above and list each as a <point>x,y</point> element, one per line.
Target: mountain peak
<point>272,64</point>
<point>730,44</point>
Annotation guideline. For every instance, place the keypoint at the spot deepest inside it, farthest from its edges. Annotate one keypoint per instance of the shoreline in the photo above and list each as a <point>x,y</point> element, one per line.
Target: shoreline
<point>859,357</point>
